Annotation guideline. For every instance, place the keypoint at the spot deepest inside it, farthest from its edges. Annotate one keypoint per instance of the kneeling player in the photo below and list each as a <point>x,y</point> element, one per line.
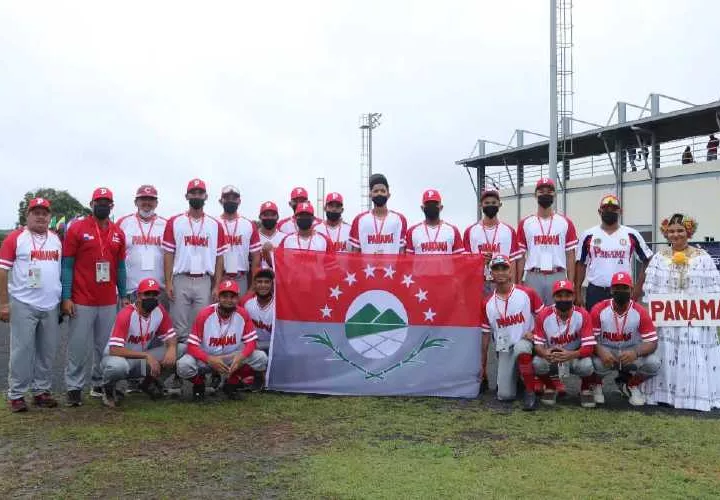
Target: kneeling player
<point>563,335</point>
<point>142,344</point>
<point>509,314</point>
<point>221,342</point>
<point>626,341</point>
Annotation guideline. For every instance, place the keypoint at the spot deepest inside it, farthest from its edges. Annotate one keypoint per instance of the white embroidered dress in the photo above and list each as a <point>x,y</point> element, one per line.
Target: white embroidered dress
<point>689,375</point>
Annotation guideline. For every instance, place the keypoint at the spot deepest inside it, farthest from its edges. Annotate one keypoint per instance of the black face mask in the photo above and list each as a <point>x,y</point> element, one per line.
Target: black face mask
<point>333,216</point>
<point>490,210</point>
<point>148,304</point>
<point>431,212</point>
<point>304,224</point>
<point>196,203</point>
<point>563,305</point>
<point>609,218</point>
<point>226,310</point>
<point>102,212</point>
<point>230,207</point>
<point>545,200</point>
<point>268,223</point>
<point>621,297</point>
<point>379,200</point>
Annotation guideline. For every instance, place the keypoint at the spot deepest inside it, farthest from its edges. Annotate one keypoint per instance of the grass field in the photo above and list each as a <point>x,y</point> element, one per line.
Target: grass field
<point>277,446</point>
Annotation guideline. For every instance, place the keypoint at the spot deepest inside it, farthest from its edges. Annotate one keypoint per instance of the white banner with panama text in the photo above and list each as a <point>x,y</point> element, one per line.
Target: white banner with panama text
<point>673,309</point>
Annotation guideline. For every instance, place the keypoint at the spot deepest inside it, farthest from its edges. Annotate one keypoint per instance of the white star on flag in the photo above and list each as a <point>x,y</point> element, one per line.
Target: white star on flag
<point>389,272</point>
<point>429,314</point>
<point>369,271</point>
<point>326,311</point>
<point>335,293</point>
<point>407,280</point>
<point>421,295</point>
<point>350,278</point>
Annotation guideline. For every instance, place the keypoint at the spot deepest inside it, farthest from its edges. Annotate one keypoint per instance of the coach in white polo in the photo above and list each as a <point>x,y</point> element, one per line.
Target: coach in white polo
<point>29,296</point>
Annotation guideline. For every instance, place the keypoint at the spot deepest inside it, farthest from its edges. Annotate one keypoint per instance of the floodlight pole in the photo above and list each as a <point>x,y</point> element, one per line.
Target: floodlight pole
<point>552,145</point>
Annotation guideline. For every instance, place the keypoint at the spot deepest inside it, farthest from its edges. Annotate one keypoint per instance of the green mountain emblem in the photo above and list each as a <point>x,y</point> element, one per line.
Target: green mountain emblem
<point>368,321</point>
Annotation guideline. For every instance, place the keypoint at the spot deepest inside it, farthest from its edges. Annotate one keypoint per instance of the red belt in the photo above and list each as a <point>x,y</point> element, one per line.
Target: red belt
<point>540,271</point>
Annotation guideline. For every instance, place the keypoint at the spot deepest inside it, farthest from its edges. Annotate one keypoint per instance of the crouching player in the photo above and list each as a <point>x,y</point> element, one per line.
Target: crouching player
<point>564,337</point>
<point>509,314</point>
<point>626,341</point>
<point>142,345</point>
<point>221,342</point>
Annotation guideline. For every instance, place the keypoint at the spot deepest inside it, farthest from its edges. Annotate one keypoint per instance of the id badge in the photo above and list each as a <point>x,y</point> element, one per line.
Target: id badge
<point>147,261</point>
<point>231,263</point>
<point>502,342</point>
<point>34,277</point>
<point>102,272</point>
<point>546,261</point>
<point>196,266</point>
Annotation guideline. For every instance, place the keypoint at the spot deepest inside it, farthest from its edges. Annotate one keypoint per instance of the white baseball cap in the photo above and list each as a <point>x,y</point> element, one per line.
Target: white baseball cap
<point>230,189</point>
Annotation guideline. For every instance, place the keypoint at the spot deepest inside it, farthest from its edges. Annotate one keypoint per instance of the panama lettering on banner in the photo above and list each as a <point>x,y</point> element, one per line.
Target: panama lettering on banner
<point>684,310</point>
<point>353,324</point>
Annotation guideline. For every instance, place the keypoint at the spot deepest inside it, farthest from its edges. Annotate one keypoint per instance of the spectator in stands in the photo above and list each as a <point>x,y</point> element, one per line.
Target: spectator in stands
<point>712,147</point>
<point>687,156</point>
<point>631,154</point>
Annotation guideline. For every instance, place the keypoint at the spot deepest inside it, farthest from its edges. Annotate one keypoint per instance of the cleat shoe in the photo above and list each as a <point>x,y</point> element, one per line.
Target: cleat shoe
<point>484,385</point>
<point>258,384</point>
<point>530,401</point>
<point>637,398</point>
<point>96,392</point>
<point>108,396</point>
<point>44,400</point>
<point>587,399</point>
<point>598,394</point>
<point>198,392</point>
<point>18,405</point>
<point>549,397</point>
<point>233,392</point>
<point>74,398</point>
<point>152,388</point>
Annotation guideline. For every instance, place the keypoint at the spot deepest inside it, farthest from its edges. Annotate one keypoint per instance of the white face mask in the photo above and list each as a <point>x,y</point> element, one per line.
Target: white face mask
<point>146,214</point>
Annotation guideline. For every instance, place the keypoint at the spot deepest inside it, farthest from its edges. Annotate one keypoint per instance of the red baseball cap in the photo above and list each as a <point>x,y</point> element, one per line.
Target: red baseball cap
<point>299,192</point>
<point>544,182</point>
<point>621,278</point>
<point>563,286</point>
<point>609,200</point>
<point>489,192</point>
<point>304,208</point>
<point>431,195</point>
<point>146,191</point>
<point>102,194</point>
<point>498,260</point>
<point>336,197</point>
<point>268,205</point>
<point>229,286</point>
<point>39,202</point>
<point>149,285</point>
<point>196,184</point>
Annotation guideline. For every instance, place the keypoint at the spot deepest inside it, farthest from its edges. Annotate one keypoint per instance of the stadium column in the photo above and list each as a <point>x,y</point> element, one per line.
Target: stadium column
<point>480,183</point>
<point>520,174</point>
<point>620,161</point>
<point>654,166</point>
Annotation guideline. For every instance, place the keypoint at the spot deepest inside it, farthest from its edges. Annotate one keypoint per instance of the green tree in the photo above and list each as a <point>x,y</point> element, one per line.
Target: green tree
<point>63,204</point>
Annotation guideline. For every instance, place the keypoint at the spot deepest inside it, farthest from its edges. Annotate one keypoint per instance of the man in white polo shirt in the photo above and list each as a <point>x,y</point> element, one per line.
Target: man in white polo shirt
<point>606,249</point>
<point>433,236</point>
<point>243,240</point>
<point>334,227</point>
<point>379,231</point>
<point>29,296</point>
<point>548,241</point>
<point>306,238</point>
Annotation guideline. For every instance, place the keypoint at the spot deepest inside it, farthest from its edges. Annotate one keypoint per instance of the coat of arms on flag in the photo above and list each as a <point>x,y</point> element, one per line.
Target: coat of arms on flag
<point>376,324</point>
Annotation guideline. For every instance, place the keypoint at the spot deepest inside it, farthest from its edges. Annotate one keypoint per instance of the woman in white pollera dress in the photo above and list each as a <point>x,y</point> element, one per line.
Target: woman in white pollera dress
<point>689,375</point>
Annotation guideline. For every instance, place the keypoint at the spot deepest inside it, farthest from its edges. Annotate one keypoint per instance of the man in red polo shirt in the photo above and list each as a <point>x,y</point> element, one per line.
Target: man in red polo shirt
<point>93,274</point>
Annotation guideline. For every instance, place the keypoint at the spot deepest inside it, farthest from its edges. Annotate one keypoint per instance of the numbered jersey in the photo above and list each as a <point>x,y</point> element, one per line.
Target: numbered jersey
<point>144,253</point>
<point>606,254</point>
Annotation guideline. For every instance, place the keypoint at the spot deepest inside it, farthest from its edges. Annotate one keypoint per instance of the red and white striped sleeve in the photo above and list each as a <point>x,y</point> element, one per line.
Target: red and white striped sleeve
<point>646,327</point>
<point>587,337</point>
<point>354,237</point>
<point>539,335</point>
<point>8,251</point>
<point>329,247</point>
<point>165,330</point>
<point>595,317</point>
<point>222,241</point>
<point>484,321</point>
<point>515,252</point>
<point>521,238</point>
<point>168,242</point>
<point>255,245</point>
<point>466,239</point>
<point>198,328</point>
<point>249,334</point>
<point>571,238</point>
<point>409,245</point>
<point>403,229</point>
<point>458,246</point>
<point>121,328</point>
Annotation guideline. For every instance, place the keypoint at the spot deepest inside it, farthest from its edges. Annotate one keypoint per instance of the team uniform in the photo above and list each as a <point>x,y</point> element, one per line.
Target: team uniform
<point>573,334</point>
<point>423,239</point>
<point>33,265</point>
<point>263,318</point>
<point>508,321</point>
<point>143,243</point>
<point>374,235</point>
<point>195,245</point>
<point>338,234</point>
<point>274,240</point>
<point>289,226</point>
<point>606,254</point>
<point>243,241</point>
<point>498,239</point>
<point>316,242</point>
<point>545,243</point>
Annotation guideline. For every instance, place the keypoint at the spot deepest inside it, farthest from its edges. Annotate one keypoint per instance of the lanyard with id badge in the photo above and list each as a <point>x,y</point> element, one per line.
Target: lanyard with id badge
<point>491,245</point>
<point>503,341</point>
<point>35,271</point>
<point>546,254</point>
<point>231,258</point>
<point>196,264</point>
<point>147,257</point>
<point>102,266</point>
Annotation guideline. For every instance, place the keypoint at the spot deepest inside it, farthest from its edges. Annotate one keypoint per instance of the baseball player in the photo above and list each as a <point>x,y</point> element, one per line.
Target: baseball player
<point>260,306</point>
<point>509,315</point>
<point>194,244</point>
<point>270,236</point>
<point>142,344</point>
<point>607,249</point>
<point>297,195</point>
<point>563,335</point>
<point>306,238</point>
<point>433,236</point>
<point>29,297</point>
<point>379,231</point>
<point>243,254</point>
<point>626,341</point>
<point>334,227</point>
<point>548,242</point>
<point>223,339</point>
<point>93,276</point>
<point>143,239</point>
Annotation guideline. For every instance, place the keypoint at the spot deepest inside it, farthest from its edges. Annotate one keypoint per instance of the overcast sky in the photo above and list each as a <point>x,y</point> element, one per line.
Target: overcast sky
<point>267,95</point>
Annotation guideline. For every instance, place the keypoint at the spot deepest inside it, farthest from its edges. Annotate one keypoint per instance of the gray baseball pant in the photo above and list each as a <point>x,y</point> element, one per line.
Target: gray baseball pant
<point>89,331</point>
<point>116,368</point>
<point>188,366</point>
<point>543,284</point>
<point>507,374</point>
<point>33,341</point>
<point>191,295</point>
<point>582,367</point>
<point>646,366</point>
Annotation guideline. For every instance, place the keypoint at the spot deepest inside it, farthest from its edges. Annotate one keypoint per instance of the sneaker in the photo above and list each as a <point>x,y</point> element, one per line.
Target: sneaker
<point>44,400</point>
<point>96,392</point>
<point>198,392</point>
<point>637,398</point>
<point>233,392</point>
<point>549,397</point>
<point>108,396</point>
<point>152,388</point>
<point>587,399</point>
<point>18,405</point>
<point>258,384</point>
<point>598,394</point>
<point>530,401</point>
<point>74,398</point>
